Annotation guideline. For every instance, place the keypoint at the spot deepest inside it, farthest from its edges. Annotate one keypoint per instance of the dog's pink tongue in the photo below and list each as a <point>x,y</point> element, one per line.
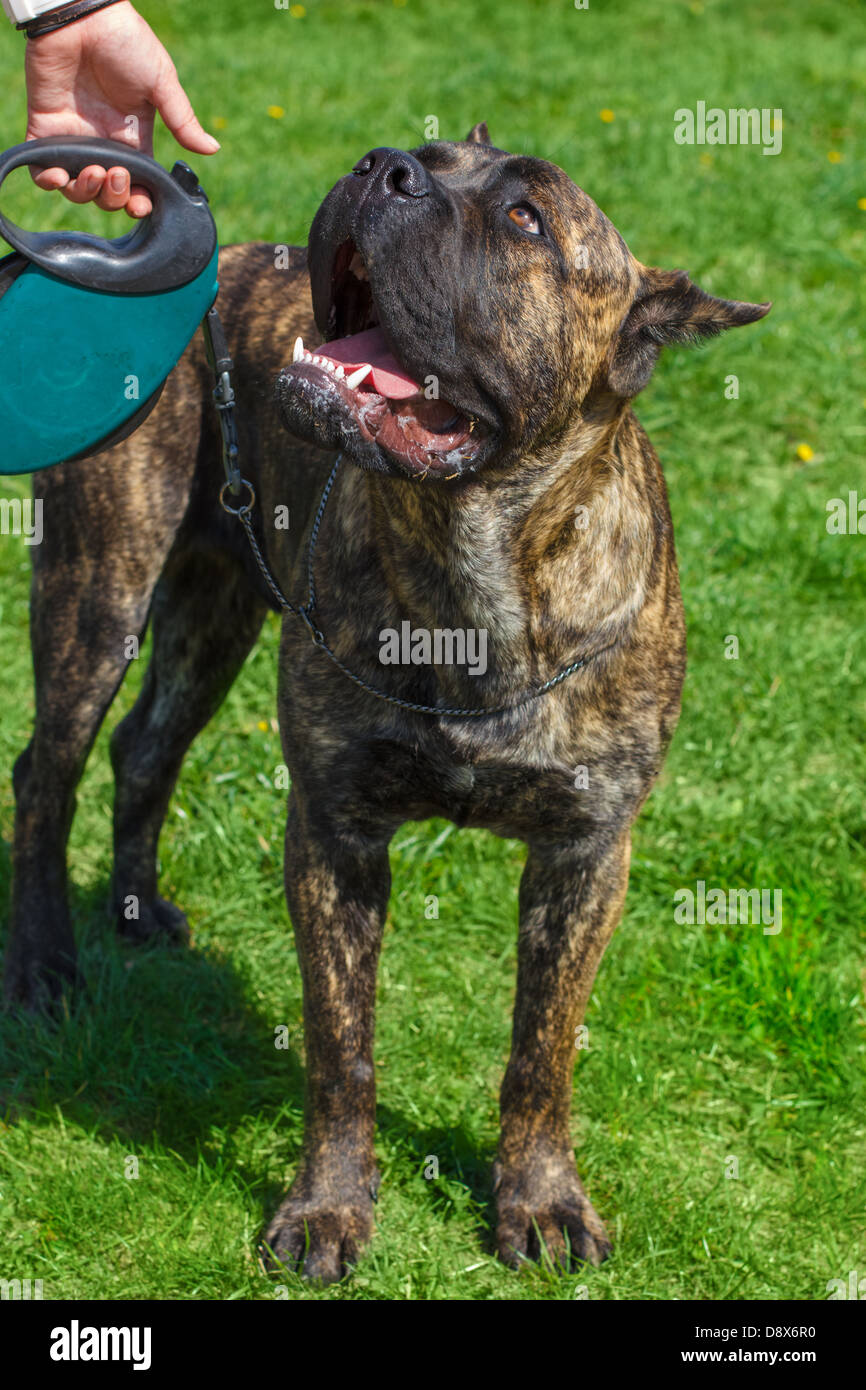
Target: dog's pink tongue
<point>370,348</point>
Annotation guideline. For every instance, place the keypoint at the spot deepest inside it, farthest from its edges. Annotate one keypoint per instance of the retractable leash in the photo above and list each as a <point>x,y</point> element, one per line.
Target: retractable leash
<point>91,329</point>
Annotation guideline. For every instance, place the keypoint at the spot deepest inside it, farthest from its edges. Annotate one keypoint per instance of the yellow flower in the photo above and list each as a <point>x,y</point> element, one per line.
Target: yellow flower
<point>805,453</point>
<point>834,156</point>
<point>219,122</point>
<point>705,159</point>
<point>276,112</point>
<point>607,115</point>
<point>263,725</point>
<point>861,203</point>
<point>297,11</point>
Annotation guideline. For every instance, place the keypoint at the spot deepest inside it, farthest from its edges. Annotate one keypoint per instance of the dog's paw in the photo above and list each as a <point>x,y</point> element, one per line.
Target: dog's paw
<point>545,1215</point>
<point>158,920</point>
<point>320,1236</point>
<point>37,983</point>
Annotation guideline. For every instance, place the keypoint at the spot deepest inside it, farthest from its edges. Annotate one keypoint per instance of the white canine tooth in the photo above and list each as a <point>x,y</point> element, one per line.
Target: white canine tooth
<point>357,377</point>
<point>299,350</point>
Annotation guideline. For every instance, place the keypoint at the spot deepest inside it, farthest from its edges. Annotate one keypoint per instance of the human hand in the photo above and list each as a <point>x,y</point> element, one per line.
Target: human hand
<point>106,75</point>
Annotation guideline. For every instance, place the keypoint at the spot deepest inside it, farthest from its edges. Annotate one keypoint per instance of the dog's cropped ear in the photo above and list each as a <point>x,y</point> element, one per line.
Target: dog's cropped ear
<point>669,308</point>
<point>478,135</point>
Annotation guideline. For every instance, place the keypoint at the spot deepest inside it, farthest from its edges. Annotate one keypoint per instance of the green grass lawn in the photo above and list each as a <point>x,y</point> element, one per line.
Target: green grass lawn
<point>708,1043</point>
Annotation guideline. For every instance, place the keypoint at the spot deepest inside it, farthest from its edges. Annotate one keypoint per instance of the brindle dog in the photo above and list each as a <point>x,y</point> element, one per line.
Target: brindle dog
<point>524,499</point>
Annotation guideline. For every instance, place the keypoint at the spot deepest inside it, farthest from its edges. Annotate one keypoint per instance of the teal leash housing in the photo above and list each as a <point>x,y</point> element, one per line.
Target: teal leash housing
<point>90,328</point>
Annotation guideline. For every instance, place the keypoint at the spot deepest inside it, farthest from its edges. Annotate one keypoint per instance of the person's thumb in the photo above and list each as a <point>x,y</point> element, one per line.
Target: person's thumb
<point>173,104</point>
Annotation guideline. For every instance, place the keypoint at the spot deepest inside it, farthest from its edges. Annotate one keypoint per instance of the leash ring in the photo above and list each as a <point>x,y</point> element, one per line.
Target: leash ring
<point>245,507</point>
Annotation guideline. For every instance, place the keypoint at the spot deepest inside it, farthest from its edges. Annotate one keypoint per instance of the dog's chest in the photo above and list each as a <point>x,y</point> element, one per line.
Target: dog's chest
<point>519,778</point>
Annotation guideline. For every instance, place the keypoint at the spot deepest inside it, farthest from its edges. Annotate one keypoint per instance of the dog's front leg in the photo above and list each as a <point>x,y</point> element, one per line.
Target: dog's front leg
<point>337,885</point>
<point>570,901</point>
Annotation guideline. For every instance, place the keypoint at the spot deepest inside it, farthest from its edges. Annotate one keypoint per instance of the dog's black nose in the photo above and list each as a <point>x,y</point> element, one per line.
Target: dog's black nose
<point>392,173</point>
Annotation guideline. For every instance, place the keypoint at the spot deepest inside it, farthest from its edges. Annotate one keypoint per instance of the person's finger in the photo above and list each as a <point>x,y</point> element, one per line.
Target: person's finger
<point>173,104</point>
<point>49,179</point>
<point>114,193</point>
<point>139,204</point>
<point>87,186</point>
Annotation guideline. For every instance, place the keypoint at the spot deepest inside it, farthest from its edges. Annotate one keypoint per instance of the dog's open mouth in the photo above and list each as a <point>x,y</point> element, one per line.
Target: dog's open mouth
<point>356,367</point>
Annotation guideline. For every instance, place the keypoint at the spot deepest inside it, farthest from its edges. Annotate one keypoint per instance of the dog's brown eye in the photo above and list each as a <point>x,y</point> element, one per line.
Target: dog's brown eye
<point>526,218</point>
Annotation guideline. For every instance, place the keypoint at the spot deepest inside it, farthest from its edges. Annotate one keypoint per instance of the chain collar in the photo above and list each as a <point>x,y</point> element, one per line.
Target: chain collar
<point>224,398</point>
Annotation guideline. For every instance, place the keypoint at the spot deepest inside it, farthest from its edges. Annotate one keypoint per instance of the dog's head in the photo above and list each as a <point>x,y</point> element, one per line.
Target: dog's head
<point>472,304</point>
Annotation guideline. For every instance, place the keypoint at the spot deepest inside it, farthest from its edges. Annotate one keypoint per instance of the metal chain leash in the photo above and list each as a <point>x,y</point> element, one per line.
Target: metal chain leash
<point>224,398</point>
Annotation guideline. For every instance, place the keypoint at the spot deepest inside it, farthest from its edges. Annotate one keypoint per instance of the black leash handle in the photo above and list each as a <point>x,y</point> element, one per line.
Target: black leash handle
<point>167,249</point>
